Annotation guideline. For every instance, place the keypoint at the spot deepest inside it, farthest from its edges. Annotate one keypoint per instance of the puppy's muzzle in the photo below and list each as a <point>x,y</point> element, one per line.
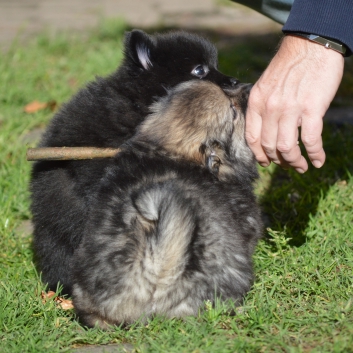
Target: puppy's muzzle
<point>241,90</point>
<point>239,96</point>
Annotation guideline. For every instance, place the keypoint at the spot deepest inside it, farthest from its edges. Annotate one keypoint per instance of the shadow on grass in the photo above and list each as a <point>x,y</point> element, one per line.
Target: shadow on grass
<point>291,199</point>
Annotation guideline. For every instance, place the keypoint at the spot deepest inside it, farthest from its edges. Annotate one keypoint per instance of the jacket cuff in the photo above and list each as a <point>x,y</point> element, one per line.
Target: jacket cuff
<point>330,19</point>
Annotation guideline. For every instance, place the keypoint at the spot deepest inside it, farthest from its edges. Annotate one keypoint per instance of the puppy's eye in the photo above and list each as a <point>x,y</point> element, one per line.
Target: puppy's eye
<point>200,71</point>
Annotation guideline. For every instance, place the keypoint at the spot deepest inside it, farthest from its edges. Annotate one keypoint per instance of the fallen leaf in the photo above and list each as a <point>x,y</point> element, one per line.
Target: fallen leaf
<point>65,304</point>
<point>45,296</point>
<point>35,106</point>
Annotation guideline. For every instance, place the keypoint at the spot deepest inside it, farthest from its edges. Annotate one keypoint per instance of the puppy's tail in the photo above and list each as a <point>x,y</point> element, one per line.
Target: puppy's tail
<point>168,223</point>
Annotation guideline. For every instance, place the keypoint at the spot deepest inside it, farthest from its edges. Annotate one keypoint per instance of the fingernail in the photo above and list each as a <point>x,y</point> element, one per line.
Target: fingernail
<point>317,163</point>
<point>300,171</point>
<point>264,164</point>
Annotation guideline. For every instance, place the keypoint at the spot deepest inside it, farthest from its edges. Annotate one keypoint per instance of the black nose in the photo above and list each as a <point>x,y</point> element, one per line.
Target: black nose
<point>233,81</point>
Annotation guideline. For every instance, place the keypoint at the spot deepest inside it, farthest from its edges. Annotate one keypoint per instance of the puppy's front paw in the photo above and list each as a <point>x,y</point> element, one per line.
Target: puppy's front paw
<point>213,163</point>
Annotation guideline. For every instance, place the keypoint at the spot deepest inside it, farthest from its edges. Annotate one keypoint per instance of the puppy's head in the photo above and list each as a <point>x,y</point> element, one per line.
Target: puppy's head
<point>165,60</point>
<point>199,122</point>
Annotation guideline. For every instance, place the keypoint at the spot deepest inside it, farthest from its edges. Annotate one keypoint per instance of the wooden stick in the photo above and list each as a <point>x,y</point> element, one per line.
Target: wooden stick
<point>69,153</point>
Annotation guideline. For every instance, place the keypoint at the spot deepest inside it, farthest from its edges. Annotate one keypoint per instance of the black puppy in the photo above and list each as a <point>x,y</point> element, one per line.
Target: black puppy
<point>106,114</point>
<point>175,221</point>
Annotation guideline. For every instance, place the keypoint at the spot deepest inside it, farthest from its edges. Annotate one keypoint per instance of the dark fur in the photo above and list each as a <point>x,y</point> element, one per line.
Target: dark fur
<point>105,114</point>
<point>175,221</point>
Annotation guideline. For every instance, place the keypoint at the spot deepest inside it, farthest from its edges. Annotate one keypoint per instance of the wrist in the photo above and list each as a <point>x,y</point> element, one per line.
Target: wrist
<point>297,49</point>
<point>323,41</point>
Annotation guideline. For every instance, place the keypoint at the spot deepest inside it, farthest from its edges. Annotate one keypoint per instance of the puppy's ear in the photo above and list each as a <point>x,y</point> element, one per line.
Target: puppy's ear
<point>138,48</point>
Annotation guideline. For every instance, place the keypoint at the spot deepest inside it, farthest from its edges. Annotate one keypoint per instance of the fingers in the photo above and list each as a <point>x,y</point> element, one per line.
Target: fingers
<point>270,126</point>
<point>290,94</point>
<point>272,137</point>
<point>287,147</point>
<point>253,135</point>
<point>311,138</point>
<point>280,143</point>
<point>275,139</point>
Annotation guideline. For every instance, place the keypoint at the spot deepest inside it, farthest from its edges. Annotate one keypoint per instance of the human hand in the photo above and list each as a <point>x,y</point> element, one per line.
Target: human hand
<point>295,90</point>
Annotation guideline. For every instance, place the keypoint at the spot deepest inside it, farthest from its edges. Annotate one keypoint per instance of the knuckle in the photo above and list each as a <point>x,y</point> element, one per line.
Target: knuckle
<point>293,159</point>
<point>277,104</point>
<point>251,138</point>
<point>309,140</point>
<point>272,105</point>
<point>284,147</point>
<point>313,108</point>
<point>269,149</point>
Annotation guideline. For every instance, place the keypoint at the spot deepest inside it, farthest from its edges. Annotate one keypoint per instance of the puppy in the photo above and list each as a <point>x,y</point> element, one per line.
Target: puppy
<point>106,114</point>
<point>175,220</point>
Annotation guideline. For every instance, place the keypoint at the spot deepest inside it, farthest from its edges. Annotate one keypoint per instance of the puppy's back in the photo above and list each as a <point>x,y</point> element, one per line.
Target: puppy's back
<point>162,243</point>
<point>150,253</point>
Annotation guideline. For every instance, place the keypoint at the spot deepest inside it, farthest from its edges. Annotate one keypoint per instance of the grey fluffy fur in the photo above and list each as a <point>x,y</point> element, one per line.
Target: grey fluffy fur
<point>175,221</point>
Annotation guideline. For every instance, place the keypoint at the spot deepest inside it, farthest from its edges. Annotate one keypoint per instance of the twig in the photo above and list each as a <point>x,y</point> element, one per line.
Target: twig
<point>69,153</point>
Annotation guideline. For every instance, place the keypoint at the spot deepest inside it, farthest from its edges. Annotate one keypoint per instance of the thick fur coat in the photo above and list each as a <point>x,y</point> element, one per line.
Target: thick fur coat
<point>105,114</point>
<point>175,220</point>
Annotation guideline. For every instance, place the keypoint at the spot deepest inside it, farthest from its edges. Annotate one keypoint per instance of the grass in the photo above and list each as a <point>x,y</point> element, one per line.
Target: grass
<point>302,299</point>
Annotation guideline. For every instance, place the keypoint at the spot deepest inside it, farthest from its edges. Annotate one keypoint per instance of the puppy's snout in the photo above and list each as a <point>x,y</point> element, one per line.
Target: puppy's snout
<point>246,88</point>
<point>240,92</point>
<point>240,89</point>
<point>239,96</point>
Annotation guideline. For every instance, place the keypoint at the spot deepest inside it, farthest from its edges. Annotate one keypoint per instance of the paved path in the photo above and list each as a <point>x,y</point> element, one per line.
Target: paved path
<point>23,18</point>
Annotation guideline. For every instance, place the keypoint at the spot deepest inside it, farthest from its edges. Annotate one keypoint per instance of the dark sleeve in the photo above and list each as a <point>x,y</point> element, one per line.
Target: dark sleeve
<point>327,18</point>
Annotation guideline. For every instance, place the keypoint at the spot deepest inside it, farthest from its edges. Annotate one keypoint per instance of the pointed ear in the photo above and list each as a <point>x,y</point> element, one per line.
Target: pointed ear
<point>138,48</point>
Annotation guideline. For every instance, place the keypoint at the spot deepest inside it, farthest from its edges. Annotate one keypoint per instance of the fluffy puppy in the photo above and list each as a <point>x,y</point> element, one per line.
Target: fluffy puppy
<point>175,220</point>
<point>106,114</point>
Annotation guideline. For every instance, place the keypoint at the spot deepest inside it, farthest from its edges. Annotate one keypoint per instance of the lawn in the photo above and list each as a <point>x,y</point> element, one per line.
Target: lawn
<point>302,299</point>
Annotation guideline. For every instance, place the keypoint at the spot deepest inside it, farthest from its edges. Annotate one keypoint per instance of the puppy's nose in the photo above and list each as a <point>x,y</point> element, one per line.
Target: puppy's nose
<point>233,81</point>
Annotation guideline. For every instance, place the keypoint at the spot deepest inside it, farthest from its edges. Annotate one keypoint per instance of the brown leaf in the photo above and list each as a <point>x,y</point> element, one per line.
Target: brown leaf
<point>34,106</point>
<point>51,294</point>
<point>65,304</point>
<point>46,296</point>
